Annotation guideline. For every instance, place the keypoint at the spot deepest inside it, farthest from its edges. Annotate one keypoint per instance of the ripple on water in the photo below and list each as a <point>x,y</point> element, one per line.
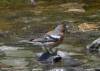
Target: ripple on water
<point>17,58</point>
<point>16,52</point>
<point>16,62</point>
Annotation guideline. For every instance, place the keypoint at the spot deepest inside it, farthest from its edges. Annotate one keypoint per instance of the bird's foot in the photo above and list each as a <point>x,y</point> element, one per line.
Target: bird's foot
<point>53,51</point>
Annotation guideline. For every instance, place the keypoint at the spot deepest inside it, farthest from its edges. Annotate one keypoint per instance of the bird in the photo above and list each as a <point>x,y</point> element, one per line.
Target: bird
<point>52,38</point>
<point>47,58</point>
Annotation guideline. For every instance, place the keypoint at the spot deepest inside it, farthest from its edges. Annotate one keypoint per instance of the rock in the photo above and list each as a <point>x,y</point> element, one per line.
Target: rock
<point>94,46</point>
<point>47,58</point>
<point>97,69</point>
<point>68,60</point>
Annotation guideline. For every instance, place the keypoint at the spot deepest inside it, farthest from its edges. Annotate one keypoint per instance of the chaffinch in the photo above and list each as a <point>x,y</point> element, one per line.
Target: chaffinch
<point>50,39</point>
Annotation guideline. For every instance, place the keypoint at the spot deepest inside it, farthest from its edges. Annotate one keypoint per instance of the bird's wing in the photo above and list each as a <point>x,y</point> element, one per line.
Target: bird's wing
<point>51,36</point>
<point>47,38</point>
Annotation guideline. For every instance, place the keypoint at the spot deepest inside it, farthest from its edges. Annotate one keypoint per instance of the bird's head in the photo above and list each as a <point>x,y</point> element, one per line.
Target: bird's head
<point>63,26</point>
<point>68,26</point>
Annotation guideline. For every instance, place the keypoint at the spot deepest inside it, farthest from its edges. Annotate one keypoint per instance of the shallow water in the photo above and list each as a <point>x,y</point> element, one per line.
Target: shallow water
<point>16,25</point>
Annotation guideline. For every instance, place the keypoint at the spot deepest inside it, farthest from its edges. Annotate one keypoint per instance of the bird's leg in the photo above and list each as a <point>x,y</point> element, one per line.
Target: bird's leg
<point>56,50</point>
<point>45,49</point>
<point>52,50</point>
<point>49,50</point>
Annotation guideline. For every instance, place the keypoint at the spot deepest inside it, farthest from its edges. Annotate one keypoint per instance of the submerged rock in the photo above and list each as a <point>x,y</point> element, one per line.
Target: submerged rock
<point>94,46</point>
<point>68,60</point>
<point>60,56</point>
<point>47,58</point>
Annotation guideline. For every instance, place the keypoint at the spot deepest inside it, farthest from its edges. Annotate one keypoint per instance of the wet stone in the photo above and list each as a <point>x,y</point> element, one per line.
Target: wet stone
<point>61,56</point>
